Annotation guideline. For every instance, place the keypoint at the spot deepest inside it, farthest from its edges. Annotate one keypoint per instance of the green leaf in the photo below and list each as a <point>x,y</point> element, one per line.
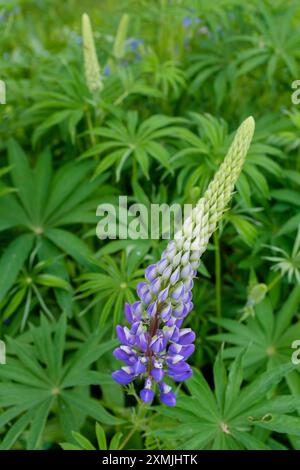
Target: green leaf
<point>22,176</point>
<point>12,261</point>
<point>220,380</point>
<point>41,413</point>
<point>90,407</point>
<point>235,379</point>
<point>15,431</point>
<point>115,442</point>
<point>83,441</point>
<point>282,424</point>
<point>259,388</point>
<point>70,244</point>
<point>52,281</point>
<point>69,446</point>
<point>101,438</point>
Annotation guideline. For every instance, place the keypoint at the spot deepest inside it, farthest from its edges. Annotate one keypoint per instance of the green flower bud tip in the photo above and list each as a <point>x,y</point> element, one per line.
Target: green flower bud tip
<point>91,64</point>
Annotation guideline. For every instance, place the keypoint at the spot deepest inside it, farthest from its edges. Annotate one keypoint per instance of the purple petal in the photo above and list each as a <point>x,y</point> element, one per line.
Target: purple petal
<point>178,323</point>
<point>158,343</point>
<point>162,296</point>
<point>128,313</point>
<point>187,297</point>
<point>157,372</point>
<point>146,297</point>
<point>161,265</point>
<point>152,309</point>
<point>151,272</point>
<point>178,291</point>
<point>172,360</point>
<point>141,288</point>
<point>189,307</point>
<point>142,342</point>
<point>139,367</point>
<point>167,273</point>
<point>156,285</point>
<point>137,328</point>
<point>122,377</point>
<point>180,377</point>
<point>184,351</point>
<point>124,335</point>
<point>175,276</point>
<point>186,336</point>
<point>169,332</point>
<point>125,354</point>
<point>165,312</point>
<point>137,310</point>
<point>146,395</point>
<point>186,272</point>
<point>179,310</point>
<point>168,399</point>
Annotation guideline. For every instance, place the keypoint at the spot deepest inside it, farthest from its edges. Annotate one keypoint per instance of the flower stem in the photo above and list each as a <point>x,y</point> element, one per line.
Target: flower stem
<point>218,275</point>
<point>90,126</point>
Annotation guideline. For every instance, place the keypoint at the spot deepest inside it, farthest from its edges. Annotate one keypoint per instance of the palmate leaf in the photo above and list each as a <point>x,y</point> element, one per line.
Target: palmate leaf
<point>45,201</point>
<point>167,75</point>
<point>268,336</point>
<point>223,418</point>
<point>39,376</point>
<point>274,45</point>
<point>111,284</point>
<point>33,285</point>
<point>217,62</point>
<point>62,105</point>
<point>127,139</point>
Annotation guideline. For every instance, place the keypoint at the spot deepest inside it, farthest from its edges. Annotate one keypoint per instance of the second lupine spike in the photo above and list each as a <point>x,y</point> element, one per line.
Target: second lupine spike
<point>156,345</point>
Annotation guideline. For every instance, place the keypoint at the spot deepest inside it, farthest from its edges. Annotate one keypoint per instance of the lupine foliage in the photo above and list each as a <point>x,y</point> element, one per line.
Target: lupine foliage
<point>143,98</point>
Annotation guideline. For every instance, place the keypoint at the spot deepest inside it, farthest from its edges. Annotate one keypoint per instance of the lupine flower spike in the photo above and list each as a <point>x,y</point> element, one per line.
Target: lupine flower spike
<point>119,44</point>
<point>91,64</point>
<point>155,345</point>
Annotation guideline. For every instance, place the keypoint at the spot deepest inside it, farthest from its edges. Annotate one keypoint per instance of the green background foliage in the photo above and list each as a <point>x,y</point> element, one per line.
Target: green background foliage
<point>176,85</point>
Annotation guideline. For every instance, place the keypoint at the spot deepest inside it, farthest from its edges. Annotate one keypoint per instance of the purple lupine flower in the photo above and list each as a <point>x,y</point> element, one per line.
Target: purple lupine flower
<point>155,346</point>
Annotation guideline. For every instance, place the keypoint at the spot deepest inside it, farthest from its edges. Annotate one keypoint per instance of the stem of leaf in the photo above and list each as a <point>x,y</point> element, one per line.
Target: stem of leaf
<point>218,275</point>
<point>274,282</point>
<point>90,126</point>
<point>134,169</point>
